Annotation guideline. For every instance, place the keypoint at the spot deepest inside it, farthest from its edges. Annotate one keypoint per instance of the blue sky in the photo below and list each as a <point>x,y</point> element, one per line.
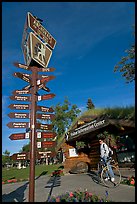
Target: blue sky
<point>91,39</point>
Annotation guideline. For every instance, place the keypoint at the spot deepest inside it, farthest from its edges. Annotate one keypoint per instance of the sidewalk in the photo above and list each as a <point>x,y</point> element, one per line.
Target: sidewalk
<point>46,186</point>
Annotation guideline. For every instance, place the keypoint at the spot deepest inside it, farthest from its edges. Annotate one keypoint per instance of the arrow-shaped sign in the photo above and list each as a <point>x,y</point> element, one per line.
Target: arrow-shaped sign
<point>21,76</point>
<point>44,126</point>
<point>45,109</point>
<point>45,116</point>
<point>46,144</point>
<point>46,134</point>
<point>22,66</point>
<point>20,98</point>
<point>44,79</point>
<point>20,106</point>
<point>21,92</point>
<point>42,86</point>
<point>19,115</point>
<point>45,97</point>
<point>41,69</point>
<point>19,136</point>
<point>18,124</point>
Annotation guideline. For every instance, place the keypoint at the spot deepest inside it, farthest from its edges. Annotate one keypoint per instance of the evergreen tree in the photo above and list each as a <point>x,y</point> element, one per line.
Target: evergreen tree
<point>90,105</point>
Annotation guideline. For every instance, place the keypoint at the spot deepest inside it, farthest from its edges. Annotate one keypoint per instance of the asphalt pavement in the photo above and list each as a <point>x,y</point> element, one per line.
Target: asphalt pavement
<point>47,186</point>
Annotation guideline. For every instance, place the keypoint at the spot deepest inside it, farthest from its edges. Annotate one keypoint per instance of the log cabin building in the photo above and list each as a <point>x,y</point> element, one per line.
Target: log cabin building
<point>86,130</point>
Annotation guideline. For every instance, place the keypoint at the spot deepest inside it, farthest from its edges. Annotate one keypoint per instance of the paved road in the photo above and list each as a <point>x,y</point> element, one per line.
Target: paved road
<point>46,186</point>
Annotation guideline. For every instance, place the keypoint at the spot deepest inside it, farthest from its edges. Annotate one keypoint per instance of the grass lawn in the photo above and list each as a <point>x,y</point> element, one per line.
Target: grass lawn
<point>23,174</point>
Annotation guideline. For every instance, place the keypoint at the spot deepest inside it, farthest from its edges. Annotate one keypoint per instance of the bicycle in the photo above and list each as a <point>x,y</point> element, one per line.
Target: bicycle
<point>103,168</point>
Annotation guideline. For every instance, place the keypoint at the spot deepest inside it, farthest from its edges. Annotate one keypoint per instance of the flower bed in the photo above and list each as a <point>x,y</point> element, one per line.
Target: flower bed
<point>78,196</point>
<point>130,181</point>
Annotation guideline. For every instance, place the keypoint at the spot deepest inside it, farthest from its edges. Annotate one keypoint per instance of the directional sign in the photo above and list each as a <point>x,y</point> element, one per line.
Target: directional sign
<point>44,79</point>
<point>35,25</point>
<point>19,115</point>
<point>45,116</point>
<point>46,134</point>
<point>20,98</point>
<point>19,136</point>
<point>22,66</point>
<point>27,87</point>
<point>44,126</point>
<point>20,106</point>
<point>46,144</point>
<point>42,86</point>
<point>21,92</point>
<point>21,76</point>
<point>45,97</point>
<point>45,109</point>
<point>40,135</point>
<point>18,124</point>
<point>40,69</point>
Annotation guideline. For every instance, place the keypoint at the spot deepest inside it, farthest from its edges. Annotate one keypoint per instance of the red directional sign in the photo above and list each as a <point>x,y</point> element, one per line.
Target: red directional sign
<point>41,69</point>
<point>19,115</point>
<point>45,109</point>
<point>45,116</point>
<point>44,126</point>
<point>46,134</point>
<point>21,76</point>
<point>44,79</point>
<point>46,144</point>
<point>40,135</point>
<point>20,106</point>
<point>20,98</point>
<point>19,136</point>
<point>45,97</point>
<point>21,92</point>
<point>18,124</point>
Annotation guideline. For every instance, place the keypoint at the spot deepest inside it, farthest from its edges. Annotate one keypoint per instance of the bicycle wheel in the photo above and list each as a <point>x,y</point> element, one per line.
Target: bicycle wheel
<point>117,177</point>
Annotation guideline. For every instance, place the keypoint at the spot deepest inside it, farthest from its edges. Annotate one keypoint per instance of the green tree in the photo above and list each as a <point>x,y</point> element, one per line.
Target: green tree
<point>64,116</point>
<point>90,105</point>
<point>6,157</point>
<point>127,65</point>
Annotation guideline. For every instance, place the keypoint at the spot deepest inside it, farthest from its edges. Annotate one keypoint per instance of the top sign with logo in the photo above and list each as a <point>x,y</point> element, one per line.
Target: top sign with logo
<point>38,29</point>
<point>36,52</point>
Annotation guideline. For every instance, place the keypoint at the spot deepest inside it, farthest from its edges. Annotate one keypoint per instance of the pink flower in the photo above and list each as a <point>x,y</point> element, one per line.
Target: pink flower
<point>71,194</point>
<point>132,181</point>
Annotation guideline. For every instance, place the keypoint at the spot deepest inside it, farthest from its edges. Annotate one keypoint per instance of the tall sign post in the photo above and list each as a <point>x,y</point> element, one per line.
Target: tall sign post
<point>33,135</point>
<point>37,48</point>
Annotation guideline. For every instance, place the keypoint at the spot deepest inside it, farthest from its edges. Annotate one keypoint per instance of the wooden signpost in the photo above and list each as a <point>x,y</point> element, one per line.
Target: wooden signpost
<point>37,61</point>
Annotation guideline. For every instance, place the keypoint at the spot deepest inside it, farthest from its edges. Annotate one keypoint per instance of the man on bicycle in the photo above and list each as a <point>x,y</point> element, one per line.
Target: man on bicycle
<point>104,154</point>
